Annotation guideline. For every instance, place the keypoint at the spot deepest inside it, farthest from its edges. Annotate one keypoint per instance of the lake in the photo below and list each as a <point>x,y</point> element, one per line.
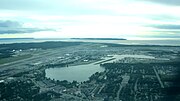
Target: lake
<point>79,73</point>
<point>82,73</point>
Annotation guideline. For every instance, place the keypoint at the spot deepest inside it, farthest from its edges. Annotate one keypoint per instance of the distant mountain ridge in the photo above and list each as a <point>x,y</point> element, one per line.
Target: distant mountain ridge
<point>99,38</point>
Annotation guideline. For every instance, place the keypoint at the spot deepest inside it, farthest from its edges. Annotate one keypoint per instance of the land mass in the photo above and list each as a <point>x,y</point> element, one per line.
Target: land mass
<point>141,73</point>
<point>99,38</point>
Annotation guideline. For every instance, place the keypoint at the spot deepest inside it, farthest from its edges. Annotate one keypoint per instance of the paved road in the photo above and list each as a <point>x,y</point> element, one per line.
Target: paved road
<point>159,79</point>
<point>123,84</point>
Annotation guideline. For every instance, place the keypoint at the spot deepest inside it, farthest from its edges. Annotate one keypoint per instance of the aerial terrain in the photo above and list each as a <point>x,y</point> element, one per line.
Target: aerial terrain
<point>89,71</point>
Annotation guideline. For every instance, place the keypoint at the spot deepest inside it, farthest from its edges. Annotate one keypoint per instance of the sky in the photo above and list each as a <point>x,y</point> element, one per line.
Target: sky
<point>89,19</point>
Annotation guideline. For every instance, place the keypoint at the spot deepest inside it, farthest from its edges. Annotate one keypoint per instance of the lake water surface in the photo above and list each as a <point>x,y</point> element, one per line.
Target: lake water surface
<point>79,73</point>
<point>82,73</point>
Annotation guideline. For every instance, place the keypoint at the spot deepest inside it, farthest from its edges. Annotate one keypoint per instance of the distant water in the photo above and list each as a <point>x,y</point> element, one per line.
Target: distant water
<point>174,42</point>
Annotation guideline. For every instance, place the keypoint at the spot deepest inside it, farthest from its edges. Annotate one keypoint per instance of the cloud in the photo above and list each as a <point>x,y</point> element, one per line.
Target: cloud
<point>166,27</point>
<point>88,17</point>
<point>9,23</point>
<point>49,7</point>
<point>165,18</point>
<point>23,30</point>
<point>167,2</point>
<point>21,4</point>
<point>164,31</point>
<point>14,27</point>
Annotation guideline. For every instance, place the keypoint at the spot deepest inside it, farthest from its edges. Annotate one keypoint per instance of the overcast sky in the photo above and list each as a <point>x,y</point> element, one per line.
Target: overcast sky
<point>90,18</point>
